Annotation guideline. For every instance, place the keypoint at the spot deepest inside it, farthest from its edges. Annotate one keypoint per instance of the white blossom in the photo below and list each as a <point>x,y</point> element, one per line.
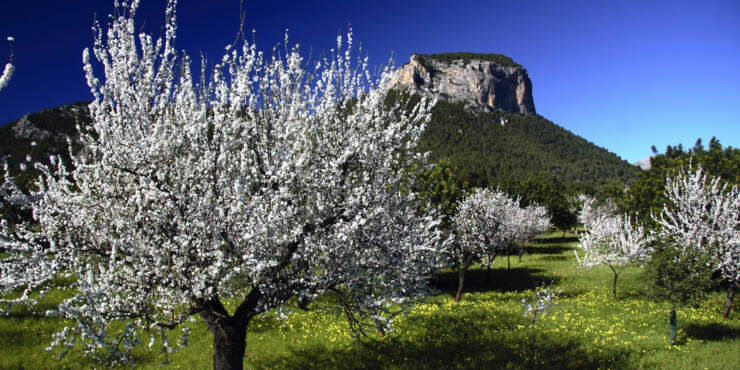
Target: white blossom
<point>269,179</point>
<point>613,240</point>
<point>544,300</point>
<point>9,68</point>
<point>488,222</point>
<point>703,214</point>
<point>590,211</point>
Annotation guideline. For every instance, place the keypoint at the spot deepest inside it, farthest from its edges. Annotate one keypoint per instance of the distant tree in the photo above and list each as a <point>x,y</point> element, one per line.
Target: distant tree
<point>483,224</point>
<point>532,220</point>
<point>590,209</point>
<point>441,189</point>
<point>547,190</point>
<point>647,195</point>
<point>489,222</point>
<point>273,180</point>
<point>613,241</point>
<point>702,215</point>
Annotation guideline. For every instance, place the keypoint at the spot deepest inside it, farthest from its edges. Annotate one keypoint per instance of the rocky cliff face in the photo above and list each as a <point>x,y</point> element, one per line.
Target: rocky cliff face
<point>53,123</point>
<point>485,81</point>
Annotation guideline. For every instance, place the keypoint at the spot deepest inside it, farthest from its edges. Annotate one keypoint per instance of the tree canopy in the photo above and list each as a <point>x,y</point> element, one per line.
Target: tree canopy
<point>271,179</point>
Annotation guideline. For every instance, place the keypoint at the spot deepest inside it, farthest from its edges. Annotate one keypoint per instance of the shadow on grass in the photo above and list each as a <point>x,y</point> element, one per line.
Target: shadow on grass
<point>546,249</point>
<point>453,340</point>
<point>712,332</point>
<point>556,240</point>
<point>497,279</point>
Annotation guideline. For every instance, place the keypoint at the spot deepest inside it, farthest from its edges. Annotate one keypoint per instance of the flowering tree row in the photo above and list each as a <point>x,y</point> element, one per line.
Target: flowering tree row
<point>701,217</point>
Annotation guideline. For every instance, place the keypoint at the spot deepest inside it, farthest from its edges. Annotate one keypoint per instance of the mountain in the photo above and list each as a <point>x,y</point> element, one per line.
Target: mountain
<point>487,82</point>
<point>499,148</point>
<point>40,135</point>
<point>486,125</point>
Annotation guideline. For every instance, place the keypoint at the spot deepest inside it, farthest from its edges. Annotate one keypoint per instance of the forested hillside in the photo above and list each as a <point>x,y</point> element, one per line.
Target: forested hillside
<point>496,148</point>
<point>38,135</point>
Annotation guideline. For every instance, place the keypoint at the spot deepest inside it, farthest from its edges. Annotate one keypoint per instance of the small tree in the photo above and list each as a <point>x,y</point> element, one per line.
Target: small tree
<point>486,222</point>
<point>267,181</point>
<point>613,241</point>
<point>703,215</point>
<point>680,277</point>
<point>531,221</point>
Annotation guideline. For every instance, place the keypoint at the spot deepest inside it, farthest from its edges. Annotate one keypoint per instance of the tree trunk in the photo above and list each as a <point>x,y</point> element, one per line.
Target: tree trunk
<point>614,282</point>
<point>521,252</point>
<point>508,258</point>
<point>229,332</point>
<point>728,303</point>
<point>229,344</point>
<point>468,260</point>
<point>673,325</point>
<point>614,286</point>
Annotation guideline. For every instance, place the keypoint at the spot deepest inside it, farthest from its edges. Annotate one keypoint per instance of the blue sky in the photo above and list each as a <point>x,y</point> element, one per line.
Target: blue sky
<point>624,75</point>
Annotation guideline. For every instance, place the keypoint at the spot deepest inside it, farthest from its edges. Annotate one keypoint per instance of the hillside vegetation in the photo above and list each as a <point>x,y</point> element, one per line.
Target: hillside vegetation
<point>500,148</point>
<point>466,57</point>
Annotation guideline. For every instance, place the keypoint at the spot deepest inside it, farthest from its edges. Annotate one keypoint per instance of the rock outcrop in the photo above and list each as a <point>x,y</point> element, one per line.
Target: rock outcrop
<point>51,124</point>
<point>644,163</point>
<point>483,81</point>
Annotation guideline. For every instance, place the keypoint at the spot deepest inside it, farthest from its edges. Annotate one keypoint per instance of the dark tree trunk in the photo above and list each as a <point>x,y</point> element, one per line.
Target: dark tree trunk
<point>229,344</point>
<point>229,332</point>
<point>728,303</point>
<point>614,282</point>
<point>614,286</point>
<point>468,260</point>
<point>521,252</point>
<point>673,325</point>
<point>508,258</point>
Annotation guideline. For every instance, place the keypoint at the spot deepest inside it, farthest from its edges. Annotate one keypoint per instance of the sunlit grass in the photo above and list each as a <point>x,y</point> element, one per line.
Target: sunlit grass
<point>487,329</point>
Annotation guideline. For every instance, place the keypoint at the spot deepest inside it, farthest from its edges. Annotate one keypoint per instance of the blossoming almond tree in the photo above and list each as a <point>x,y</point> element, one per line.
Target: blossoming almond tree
<point>613,241</point>
<point>703,214</point>
<point>531,221</point>
<point>487,222</point>
<point>266,181</point>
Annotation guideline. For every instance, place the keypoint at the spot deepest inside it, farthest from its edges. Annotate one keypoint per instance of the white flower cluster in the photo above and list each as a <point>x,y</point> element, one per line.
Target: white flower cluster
<point>590,211</point>
<point>543,301</point>
<point>270,178</point>
<point>9,68</point>
<point>614,241</point>
<point>489,221</point>
<point>704,214</point>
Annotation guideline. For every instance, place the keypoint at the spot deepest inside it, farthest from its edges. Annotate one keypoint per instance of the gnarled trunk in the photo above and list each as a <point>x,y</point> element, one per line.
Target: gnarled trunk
<point>728,303</point>
<point>229,332</point>
<point>229,343</point>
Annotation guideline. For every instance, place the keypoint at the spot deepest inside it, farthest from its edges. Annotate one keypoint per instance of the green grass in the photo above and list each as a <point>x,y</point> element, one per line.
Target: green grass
<point>586,329</point>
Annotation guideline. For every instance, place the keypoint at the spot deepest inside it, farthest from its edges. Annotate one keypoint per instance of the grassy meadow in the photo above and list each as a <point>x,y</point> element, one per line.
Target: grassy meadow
<point>585,329</point>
